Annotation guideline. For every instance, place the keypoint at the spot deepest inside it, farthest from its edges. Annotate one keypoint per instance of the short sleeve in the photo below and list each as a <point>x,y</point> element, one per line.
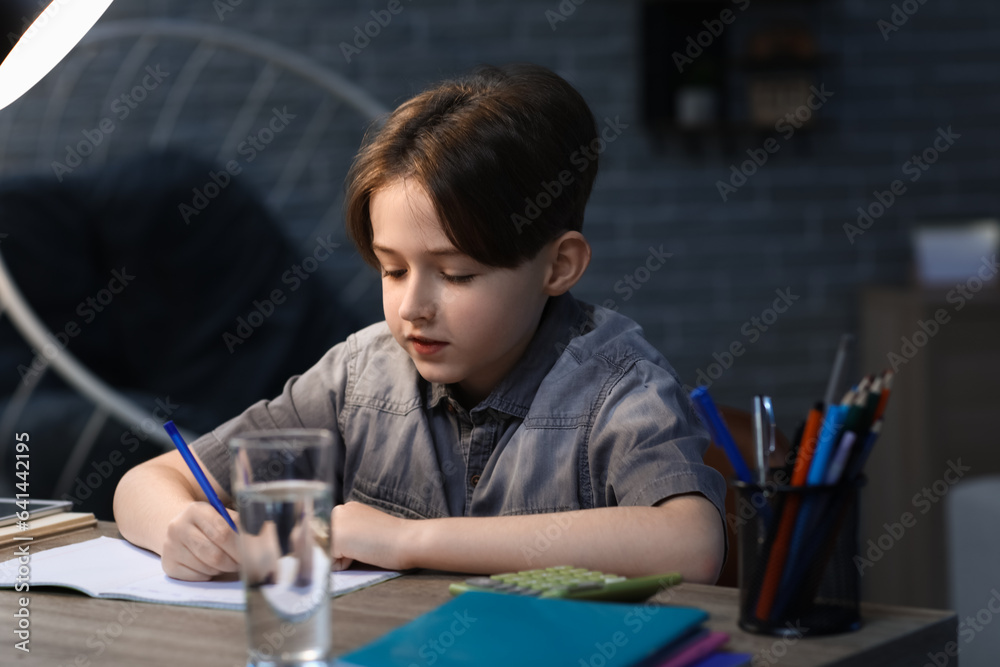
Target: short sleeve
<point>313,399</point>
<point>646,444</point>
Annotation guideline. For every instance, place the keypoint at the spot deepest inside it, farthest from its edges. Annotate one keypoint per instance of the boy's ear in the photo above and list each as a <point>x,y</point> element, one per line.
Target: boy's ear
<point>569,256</point>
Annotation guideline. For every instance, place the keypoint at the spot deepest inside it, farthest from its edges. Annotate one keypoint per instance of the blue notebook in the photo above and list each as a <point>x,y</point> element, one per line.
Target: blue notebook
<point>503,630</point>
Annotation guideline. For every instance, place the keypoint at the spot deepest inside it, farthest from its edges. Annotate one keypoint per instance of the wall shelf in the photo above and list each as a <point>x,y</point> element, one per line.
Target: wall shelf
<point>708,68</point>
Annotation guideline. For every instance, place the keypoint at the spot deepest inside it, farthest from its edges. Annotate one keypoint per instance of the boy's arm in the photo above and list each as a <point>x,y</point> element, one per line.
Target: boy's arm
<point>159,506</point>
<point>682,534</point>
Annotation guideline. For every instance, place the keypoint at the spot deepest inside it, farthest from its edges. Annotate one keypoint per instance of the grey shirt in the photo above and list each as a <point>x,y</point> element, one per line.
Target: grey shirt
<point>591,416</point>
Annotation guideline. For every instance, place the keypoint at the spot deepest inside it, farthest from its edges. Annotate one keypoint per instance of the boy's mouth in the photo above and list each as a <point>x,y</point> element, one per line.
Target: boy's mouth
<point>426,346</point>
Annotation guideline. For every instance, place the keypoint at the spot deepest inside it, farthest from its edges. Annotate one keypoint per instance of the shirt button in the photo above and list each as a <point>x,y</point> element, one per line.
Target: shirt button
<point>474,480</point>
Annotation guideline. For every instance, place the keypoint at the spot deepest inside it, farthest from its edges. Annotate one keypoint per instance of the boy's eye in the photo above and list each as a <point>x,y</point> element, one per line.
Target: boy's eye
<point>396,274</point>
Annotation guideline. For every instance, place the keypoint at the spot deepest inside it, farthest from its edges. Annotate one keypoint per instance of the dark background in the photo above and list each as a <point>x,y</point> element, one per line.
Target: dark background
<point>783,229</point>
<point>891,92</point>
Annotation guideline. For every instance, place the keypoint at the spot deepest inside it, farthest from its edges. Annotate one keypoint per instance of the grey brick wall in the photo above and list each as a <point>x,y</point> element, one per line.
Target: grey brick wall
<point>782,230</point>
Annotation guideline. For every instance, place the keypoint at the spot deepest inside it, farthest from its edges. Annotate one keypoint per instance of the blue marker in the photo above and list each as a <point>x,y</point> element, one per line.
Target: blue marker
<point>198,474</point>
<point>829,436</point>
<point>706,409</point>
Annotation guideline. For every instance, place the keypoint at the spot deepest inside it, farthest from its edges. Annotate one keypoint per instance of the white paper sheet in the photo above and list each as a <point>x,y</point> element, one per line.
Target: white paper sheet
<point>111,568</point>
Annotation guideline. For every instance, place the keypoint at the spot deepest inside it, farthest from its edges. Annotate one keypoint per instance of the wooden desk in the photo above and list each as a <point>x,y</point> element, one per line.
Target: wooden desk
<point>68,628</point>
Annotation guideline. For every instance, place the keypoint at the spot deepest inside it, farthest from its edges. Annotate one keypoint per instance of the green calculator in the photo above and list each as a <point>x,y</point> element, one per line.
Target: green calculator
<point>569,583</point>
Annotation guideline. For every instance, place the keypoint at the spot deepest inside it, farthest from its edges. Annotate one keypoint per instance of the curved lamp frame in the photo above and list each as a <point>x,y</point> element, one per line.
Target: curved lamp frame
<point>108,401</point>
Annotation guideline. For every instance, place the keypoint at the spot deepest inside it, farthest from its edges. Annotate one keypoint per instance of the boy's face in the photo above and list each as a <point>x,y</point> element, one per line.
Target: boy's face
<point>460,322</point>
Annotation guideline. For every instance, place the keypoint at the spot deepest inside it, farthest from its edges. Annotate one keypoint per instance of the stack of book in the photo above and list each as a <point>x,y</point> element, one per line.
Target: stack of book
<point>488,629</point>
<point>44,518</point>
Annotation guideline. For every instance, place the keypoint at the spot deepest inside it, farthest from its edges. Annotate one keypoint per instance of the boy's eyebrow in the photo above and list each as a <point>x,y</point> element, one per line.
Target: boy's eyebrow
<point>437,252</point>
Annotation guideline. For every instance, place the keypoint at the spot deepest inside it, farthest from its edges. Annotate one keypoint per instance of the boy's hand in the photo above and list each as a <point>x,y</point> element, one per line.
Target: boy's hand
<point>363,533</point>
<point>200,544</point>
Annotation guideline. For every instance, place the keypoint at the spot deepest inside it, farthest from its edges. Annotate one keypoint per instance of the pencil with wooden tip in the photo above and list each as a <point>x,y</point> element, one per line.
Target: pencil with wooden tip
<point>884,398</point>
<point>854,416</point>
<point>871,405</point>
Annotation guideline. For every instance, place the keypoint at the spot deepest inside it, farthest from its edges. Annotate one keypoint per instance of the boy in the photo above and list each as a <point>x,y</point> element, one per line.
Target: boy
<point>492,422</point>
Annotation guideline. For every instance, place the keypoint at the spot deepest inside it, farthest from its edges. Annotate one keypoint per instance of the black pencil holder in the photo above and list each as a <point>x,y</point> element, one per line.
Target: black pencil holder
<point>796,558</point>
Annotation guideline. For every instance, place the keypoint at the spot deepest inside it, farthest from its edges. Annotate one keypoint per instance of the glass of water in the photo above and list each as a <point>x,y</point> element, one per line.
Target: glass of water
<point>282,484</point>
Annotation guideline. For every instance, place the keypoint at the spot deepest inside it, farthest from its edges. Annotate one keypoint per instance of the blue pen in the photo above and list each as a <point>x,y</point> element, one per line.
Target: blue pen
<point>720,434</point>
<point>198,474</point>
<point>812,507</point>
<point>857,464</point>
<point>829,436</point>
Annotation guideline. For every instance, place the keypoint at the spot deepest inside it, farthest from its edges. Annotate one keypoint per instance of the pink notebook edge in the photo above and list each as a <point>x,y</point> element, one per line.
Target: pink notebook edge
<point>696,650</point>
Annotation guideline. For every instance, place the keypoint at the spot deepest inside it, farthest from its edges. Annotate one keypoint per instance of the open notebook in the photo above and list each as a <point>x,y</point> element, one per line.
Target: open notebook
<point>111,568</point>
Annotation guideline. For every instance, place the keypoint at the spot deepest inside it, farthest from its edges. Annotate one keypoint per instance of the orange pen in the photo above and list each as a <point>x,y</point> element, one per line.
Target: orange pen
<point>779,550</point>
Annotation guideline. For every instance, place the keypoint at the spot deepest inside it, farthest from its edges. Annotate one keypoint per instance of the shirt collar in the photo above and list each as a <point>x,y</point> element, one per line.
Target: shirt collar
<point>562,319</point>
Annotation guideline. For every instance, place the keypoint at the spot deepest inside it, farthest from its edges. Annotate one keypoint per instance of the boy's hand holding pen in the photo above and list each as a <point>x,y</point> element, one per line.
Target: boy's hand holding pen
<point>195,550</point>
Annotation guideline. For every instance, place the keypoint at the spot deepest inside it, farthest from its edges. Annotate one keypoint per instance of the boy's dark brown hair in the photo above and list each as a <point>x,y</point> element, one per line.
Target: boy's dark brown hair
<point>504,154</point>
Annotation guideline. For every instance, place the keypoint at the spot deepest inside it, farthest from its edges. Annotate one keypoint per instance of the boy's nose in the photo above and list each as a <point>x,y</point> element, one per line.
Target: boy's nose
<point>418,302</point>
